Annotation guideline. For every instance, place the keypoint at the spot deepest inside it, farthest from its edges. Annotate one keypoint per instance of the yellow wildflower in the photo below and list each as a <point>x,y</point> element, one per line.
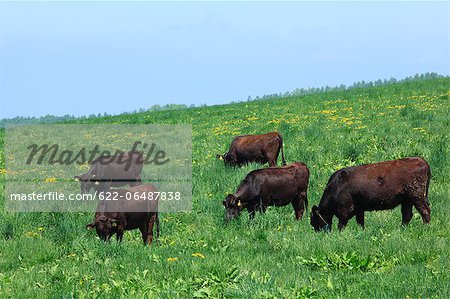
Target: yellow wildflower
<point>198,254</point>
<point>31,234</point>
<point>172,259</point>
<point>328,111</point>
<point>252,118</point>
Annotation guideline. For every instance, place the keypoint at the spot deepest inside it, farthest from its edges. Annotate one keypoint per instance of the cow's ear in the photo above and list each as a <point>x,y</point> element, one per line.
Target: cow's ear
<point>90,226</point>
<point>220,157</point>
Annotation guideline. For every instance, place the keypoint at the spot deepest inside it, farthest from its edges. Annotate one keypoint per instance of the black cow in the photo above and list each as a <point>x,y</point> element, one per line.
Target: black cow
<point>254,148</point>
<point>273,186</point>
<point>112,171</point>
<point>123,212</point>
<point>380,186</point>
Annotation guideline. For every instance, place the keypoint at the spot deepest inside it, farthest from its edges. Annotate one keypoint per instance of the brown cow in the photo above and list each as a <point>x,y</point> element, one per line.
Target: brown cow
<point>380,186</point>
<point>254,148</point>
<point>273,186</point>
<point>119,211</point>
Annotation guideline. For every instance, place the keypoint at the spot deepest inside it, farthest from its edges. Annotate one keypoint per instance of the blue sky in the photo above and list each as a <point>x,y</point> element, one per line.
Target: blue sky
<point>81,58</point>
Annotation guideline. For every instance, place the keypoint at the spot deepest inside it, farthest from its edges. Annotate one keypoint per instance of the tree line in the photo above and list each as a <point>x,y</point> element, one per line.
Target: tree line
<point>47,119</point>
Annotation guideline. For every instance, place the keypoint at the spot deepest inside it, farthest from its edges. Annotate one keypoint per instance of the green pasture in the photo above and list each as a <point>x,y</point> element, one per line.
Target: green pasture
<point>200,256</point>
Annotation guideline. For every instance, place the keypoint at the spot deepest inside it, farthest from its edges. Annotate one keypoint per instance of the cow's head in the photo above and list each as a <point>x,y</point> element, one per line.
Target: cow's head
<point>228,159</point>
<point>104,226</point>
<point>87,182</point>
<point>317,221</point>
<point>233,206</point>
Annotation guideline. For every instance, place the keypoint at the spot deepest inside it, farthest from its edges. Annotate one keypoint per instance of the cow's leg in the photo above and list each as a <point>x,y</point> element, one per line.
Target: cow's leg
<point>262,208</point>
<point>298,206</point>
<point>151,222</point>
<point>272,162</point>
<point>342,223</point>
<point>251,211</point>
<point>346,210</point>
<point>263,203</point>
<point>407,213</point>
<point>143,228</point>
<point>119,235</point>
<point>360,219</point>
<point>424,209</point>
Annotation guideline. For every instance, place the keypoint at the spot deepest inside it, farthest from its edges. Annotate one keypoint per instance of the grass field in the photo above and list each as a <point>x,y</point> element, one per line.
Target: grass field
<point>274,256</point>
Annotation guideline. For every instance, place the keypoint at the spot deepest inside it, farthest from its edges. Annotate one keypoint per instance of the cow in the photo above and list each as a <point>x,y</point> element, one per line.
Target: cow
<point>127,213</point>
<point>112,171</point>
<point>369,187</point>
<point>273,186</point>
<point>254,148</point>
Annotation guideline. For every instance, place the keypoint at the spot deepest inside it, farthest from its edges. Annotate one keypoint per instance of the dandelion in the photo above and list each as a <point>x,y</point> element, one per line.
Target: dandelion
<point>172,259</point>
<point>72,255</point>
<point>50,180</point>
<point>333,118</point>
<point>31,234</point>
<point>198,254</point>
<point>328,111</point>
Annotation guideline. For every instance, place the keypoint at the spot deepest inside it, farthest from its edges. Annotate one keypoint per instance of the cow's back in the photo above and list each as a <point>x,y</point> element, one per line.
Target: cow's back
<point>249,142</point>
<point>386,183</point>
<point>295,175</point>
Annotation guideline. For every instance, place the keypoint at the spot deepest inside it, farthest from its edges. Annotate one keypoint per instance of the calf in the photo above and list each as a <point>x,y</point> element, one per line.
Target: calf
<point>112,171</point>
<point>254,148</point>
<point>273,186</point>
<point>380,186</point>
<point>127,213</point>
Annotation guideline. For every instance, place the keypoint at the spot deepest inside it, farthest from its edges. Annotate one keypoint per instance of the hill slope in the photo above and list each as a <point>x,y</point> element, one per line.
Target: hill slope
<point>50,254</point>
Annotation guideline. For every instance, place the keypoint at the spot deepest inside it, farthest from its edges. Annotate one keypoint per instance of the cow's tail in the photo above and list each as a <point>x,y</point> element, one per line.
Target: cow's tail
<point>158,232</point>
<point>428,183</point>
<point>306,201</point>
<point>283,161</point>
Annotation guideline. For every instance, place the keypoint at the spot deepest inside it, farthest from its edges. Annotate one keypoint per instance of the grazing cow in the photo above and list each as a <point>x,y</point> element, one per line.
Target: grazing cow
<point>380,186</point>
<point>127,213</point>
<point>254,148</point>
<point>112,171</point>
<point>273,186</point>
